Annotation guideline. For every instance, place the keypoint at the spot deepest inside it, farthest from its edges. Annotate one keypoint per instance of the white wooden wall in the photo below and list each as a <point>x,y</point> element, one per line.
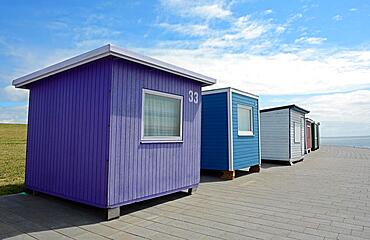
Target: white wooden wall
<point>275,135</point>
<point>297,149</point>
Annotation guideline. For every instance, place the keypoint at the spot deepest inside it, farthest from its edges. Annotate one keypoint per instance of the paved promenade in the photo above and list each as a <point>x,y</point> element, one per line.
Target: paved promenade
<point>327,196</point>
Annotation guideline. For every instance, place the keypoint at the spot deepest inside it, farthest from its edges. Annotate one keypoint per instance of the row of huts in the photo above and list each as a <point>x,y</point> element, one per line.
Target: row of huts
<point>111,127</point>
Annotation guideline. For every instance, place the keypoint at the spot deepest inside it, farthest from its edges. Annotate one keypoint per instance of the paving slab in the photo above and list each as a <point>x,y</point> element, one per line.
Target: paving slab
<point>326,196</point>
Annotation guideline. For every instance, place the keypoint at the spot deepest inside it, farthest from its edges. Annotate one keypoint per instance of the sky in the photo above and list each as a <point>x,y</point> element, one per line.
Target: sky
<point>315,54</point>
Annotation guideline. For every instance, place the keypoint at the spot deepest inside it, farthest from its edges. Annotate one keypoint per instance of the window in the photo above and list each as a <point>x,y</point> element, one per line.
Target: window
<point>245,121</point>
<point>161,117</point>
<point>297,132</point>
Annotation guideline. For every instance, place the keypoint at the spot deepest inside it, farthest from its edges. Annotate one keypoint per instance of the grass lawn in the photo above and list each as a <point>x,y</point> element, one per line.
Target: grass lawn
<point>12,157</point>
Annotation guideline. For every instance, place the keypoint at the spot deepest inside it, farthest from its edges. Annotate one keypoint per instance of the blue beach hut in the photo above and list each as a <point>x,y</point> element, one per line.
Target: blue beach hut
<point>230,131</point>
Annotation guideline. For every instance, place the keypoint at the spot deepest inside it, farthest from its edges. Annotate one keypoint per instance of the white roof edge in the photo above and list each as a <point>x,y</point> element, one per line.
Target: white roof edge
<point>114,51</point>
<point>227,89</point>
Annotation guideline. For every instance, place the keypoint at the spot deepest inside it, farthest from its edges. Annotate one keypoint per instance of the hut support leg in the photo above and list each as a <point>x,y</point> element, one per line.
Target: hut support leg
<point>255,169</point>
<point>35,193</point>
<point>228,175</point>
<point>191,191</point>
<point>112,213</point>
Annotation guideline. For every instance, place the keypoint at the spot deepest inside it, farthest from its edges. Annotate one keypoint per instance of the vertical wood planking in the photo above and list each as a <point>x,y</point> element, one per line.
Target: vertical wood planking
<point>142,170</point>
<point>67,143</point>
<point>245,148</point>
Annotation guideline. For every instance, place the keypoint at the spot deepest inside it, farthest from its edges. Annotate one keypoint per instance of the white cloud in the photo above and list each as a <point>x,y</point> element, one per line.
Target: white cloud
<point>280,29</point>
<point>340,114</point>
<point>302,72</point>
<point>349,107</point>
<point>208,10</point>
<point>10,93</point>
<point>338,18</point>
<point>329,75</point>
<point>343,114</point>
<point>248,29</point>
<point>353,9</point>
<point>16,114</point>
<point>187,29</point>
<point>268,11</point>
<point>242,31</point>
<point>310,40</point>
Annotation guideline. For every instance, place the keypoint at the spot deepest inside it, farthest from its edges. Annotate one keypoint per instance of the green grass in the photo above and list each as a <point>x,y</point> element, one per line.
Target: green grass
<point>12,157</point>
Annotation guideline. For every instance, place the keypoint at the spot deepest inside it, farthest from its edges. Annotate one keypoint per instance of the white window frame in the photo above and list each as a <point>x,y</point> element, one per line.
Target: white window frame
<point>245,133</point>
<point>154,139</point>
<point>300,132</point>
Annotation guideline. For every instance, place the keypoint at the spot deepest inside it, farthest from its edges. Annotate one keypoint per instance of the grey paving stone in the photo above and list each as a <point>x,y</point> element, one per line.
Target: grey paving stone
<point>161,236</point>
<point>361,234</point>
<point>174,231</point>
<point>90,236</point>
<point>6,228</point>
<point>304,236</point>
<point>349,237</point>
<point>322,233</point>
<point>334,229</point>
<point>48,234</point>
<point>20,236</point>
<point>141,231</point>
<point>324,197</point>
<point>100,229</point>
<point>125,236</point>
<point>347,225</point>
<point>117,224</point>
<point>71,231</point>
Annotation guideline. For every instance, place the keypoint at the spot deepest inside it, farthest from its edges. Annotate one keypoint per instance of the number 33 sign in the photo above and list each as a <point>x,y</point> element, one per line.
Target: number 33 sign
<point>193,97</point>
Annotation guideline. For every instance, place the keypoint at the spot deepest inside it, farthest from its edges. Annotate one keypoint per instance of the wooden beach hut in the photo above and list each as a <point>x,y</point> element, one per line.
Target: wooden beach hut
<point>315,130</point>
<point>111,127</point>
<point>283,133</point>
<point>308,135</point>
<point>230,131</point>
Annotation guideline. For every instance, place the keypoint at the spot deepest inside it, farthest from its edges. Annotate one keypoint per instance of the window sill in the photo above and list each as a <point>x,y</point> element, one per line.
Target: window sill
<point>245,134</point>
<point>160,141</point>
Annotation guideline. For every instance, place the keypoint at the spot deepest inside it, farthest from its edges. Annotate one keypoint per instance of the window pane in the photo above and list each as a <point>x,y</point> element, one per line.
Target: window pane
<point>244,119</point>
<point>161,116</point>
<point>297,133</point>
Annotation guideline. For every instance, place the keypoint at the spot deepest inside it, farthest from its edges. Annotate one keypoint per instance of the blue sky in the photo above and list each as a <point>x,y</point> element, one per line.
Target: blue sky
<point>312,53</point>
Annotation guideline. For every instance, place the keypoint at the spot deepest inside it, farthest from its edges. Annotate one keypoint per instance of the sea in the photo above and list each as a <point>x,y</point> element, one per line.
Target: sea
<point>355,141</point>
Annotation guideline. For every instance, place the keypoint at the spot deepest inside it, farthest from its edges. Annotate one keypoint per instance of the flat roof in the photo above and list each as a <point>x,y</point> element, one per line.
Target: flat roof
<point>110,50</point>
<point>310,120</point>
<point>227,89</point>
<point>292,106</point>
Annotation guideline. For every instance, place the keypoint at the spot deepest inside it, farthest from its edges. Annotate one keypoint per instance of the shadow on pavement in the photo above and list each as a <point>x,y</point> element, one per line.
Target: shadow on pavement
<point>23,213</point>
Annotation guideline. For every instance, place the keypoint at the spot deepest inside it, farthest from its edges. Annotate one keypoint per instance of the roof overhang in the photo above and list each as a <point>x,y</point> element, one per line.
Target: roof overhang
<point>110,50</point>
<point>310,120</point>
<point>229,89</point>
<point>292,106</point>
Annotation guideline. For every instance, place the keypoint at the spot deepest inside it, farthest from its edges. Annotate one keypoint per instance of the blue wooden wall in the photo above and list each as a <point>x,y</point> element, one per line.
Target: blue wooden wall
<point>245,148</point>
<point>214,132</point>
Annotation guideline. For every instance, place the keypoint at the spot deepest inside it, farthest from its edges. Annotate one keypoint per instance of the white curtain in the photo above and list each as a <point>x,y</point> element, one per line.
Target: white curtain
<point>161,116</point>
<point>244,119</point>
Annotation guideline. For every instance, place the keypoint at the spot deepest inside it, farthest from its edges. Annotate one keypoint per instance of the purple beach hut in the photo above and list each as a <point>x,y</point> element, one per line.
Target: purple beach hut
<point>111,127</point>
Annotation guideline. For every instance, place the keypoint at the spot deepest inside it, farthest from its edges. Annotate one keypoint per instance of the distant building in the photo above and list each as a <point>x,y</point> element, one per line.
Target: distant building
<point>283,133</point>
<point>230,131</point>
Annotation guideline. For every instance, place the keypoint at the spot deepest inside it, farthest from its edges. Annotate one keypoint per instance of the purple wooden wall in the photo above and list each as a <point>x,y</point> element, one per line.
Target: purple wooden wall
<point>139,171</point>
<point>68,133</point>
